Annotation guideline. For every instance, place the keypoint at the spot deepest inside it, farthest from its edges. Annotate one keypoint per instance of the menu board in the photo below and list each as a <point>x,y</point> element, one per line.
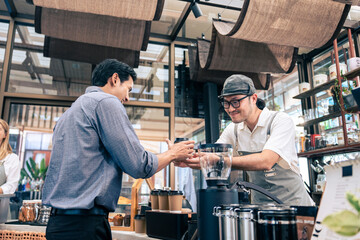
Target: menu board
<point>339,212</point>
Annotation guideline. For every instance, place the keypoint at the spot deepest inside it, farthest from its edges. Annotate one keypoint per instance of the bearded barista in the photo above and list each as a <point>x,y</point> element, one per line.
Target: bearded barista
<point>263,142</point>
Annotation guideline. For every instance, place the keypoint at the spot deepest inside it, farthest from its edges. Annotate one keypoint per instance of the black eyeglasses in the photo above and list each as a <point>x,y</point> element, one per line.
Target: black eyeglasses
<point>234,103</point>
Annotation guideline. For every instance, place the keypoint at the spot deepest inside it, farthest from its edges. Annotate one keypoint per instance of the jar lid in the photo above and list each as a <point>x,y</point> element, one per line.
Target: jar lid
<point>246,207</point>
<point>277,210</point>
<point>164,192</point>
<point>225,207</point>
<point>175,192</point>
<point>139,216</point>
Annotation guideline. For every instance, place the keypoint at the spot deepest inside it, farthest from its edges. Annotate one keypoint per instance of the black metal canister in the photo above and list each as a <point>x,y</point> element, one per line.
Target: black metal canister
<point>276,223</point>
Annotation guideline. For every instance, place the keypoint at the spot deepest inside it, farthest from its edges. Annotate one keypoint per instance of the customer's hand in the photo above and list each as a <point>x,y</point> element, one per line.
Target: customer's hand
<point>181,150</point>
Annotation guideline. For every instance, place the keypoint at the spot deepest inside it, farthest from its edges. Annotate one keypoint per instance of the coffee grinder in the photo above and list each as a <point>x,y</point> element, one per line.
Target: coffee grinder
<point>215,162</point>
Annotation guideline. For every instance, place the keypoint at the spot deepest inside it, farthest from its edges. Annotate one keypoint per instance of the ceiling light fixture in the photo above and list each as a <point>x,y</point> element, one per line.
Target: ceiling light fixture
<point>196,9</point>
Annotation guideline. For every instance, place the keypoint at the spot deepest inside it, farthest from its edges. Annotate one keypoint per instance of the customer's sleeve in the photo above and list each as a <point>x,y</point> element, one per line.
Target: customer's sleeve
<point>12,172</point>
<point>282,137</point>
<point>120,140</point>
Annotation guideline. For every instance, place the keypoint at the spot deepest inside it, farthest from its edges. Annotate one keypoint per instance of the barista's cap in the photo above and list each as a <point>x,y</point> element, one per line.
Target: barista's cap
<point>238,84</point>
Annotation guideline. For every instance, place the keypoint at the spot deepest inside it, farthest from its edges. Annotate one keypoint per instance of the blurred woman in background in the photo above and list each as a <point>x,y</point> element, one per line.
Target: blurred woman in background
<point>9,162</point>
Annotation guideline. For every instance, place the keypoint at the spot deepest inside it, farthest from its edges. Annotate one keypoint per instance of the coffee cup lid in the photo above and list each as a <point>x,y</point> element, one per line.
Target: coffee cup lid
<point>180,140</point>
<point>175,192</point>
<point>164,192</point>
<point>155,192</point>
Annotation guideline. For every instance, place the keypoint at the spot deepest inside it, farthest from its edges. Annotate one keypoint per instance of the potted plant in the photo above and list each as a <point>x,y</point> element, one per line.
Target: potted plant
<point>34,173</point>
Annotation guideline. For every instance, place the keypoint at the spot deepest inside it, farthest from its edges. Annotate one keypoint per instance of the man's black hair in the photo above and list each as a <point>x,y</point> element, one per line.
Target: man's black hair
<point>104,70</point>
<point>260,104</point>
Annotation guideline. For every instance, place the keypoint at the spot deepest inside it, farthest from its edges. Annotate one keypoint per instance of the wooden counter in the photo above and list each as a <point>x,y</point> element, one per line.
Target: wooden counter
<point>123,235</point>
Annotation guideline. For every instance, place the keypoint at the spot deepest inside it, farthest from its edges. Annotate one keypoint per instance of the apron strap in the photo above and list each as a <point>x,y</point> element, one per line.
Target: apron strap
<point>271,121</point>
<point>236,137</point>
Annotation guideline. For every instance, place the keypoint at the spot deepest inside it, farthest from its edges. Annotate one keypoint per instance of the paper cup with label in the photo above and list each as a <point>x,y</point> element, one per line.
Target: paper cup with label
<point>332,70</point>
<point>175,200</point>
<point>140,224</point>
<point>164,200</point>
<point>154,198</point>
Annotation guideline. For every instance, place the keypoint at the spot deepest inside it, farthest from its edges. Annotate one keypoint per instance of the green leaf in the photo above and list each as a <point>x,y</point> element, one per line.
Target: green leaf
<point>33,169</point>
<point>43,174</point>
<point>31,172</point>
<point>23,174</point>
<point>353,200</point>
<point>345,223</point>
<point>42,165</point>
<point>32,162</point>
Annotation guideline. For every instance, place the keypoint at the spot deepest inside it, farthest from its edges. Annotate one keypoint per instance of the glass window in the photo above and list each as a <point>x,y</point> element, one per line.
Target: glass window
<point>33,141</point>
<point>39,117</point>
<point>192,24</point>
<point>169,17</point>
<point>280,98</point>
<point>31,72</point>
<point>3,37</point>
<point>152,75</point>
<point>31,130</point>
<point>189,122</point>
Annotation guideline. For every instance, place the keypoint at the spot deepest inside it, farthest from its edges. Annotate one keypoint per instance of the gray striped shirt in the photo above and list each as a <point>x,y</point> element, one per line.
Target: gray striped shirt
<point>93,144</point>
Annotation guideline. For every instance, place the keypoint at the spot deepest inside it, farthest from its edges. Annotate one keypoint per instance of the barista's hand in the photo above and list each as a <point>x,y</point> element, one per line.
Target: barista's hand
<point>192,162</point>
<point>182,150</point>
<point>208,159</point>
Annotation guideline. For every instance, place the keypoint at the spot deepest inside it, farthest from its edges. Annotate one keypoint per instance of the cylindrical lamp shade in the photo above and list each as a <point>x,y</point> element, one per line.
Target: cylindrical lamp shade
<point>147,10</point>
<point>93,29</point>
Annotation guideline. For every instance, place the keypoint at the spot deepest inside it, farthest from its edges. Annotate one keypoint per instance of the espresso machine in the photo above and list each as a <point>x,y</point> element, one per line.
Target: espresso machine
<point>215,162</point>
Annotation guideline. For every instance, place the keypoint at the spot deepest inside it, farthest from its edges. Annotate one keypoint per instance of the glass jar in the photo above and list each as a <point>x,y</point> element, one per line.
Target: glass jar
<point>28,211</point>
<point>44,214</point>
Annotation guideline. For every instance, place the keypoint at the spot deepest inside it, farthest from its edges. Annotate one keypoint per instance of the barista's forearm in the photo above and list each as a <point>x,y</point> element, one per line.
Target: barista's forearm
<point>257,161</point>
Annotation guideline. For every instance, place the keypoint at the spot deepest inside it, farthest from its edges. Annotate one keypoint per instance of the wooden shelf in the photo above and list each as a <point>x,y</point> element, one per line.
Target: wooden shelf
<point>327,117</point>
<point>333,129</point>
<point>352,74</point>
<point>315,90</point>
<point>331,150</point>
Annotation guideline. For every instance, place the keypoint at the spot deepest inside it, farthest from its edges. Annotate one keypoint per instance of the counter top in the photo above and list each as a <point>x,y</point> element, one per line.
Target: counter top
<point>123,235</point>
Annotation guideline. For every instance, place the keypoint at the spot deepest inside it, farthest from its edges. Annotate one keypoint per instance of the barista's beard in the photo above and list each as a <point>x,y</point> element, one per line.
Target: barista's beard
<point>237,116</point>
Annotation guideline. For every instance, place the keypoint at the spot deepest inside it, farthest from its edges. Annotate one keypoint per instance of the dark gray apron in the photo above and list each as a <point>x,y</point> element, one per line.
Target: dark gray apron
<point>2,173</point>
<point>283,183</point>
